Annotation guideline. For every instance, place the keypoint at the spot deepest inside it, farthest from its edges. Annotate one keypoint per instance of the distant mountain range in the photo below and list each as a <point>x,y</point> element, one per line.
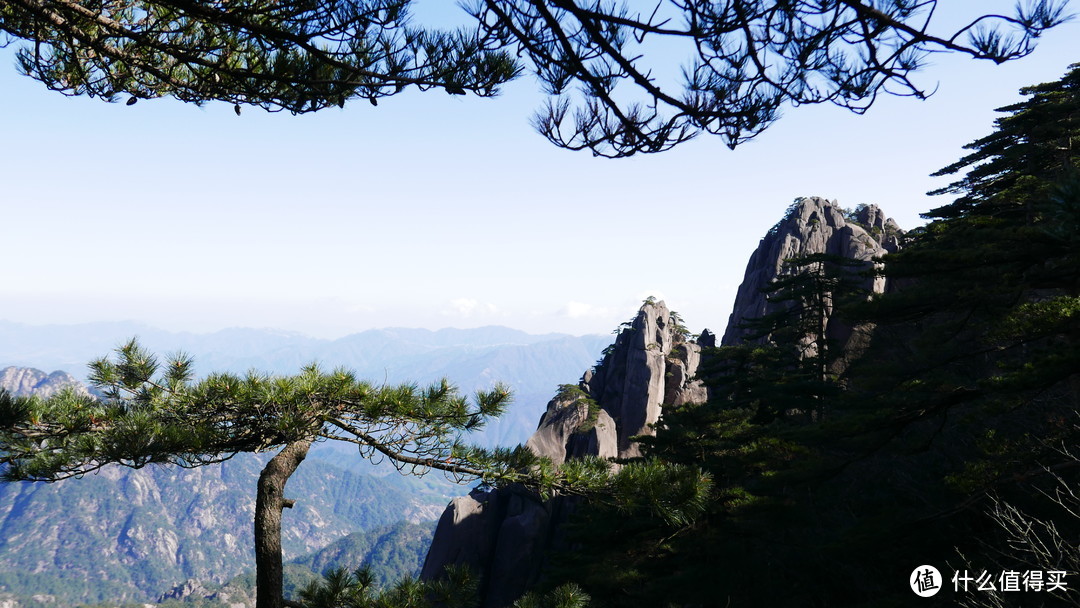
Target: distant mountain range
<point>392,552</point>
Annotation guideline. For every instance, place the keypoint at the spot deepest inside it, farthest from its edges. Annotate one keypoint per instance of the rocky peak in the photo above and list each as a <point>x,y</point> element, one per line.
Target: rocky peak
<point>574,425</point>
<point>870,217</point>
<point>651,365</point>
<point>24,381</point>
<point>505,533</point>
<point>190,588</point>
<point>812,225</point>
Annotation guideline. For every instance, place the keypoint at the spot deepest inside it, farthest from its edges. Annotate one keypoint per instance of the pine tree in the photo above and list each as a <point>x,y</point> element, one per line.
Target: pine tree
<point>983,340</point>
<point>993,282</point>
<point>155,413</point>
<point>746,438</point>
<point>955,428</point>
<point>292,55</point>
<point>746,58</point>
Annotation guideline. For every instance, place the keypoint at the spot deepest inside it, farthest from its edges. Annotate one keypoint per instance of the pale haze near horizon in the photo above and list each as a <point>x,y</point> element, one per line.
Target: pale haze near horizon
<point>435,211</point>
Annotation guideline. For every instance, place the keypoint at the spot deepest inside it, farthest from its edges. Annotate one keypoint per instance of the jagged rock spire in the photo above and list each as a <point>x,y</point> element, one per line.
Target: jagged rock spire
<point>504,534</point>
<point>812,225</point>
<point>651,365</point>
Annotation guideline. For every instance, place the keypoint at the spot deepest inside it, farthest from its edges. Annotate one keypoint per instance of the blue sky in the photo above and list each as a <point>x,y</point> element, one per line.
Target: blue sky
<point>431,210</point>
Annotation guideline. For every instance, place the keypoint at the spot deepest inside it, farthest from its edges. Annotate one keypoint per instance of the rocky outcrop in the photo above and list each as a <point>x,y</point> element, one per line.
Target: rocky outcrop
<point>811,226</point>
<point>232,595</point>
<point>25,381</point>
<point>651,364</point>
<point>501,534</point>
<point>574,426</point>
<point>191,588</point>
<point>504,534</point>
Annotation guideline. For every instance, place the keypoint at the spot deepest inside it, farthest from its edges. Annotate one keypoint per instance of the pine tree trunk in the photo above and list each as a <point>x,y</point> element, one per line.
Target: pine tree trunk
<point>269,502</point>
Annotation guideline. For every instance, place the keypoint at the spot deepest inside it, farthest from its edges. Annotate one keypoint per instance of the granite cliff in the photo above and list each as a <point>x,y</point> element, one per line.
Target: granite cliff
<point>504,534</point>
<point>816,227</point>
<point>811,226</point>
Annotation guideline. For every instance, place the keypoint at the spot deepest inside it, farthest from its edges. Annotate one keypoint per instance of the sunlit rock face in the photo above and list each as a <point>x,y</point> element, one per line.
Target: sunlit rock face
<point>25,381</point>
<point>503,534</point>
<point>811,226</point>
<point>651,365</point>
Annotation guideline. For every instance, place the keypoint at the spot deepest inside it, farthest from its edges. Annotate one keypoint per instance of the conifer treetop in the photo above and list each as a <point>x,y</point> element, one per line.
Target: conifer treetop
<point>154,412</point>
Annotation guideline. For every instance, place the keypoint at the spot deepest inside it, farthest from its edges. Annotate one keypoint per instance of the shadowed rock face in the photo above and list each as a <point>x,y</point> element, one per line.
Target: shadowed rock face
<point>812,226</point>
<point>504,534</point>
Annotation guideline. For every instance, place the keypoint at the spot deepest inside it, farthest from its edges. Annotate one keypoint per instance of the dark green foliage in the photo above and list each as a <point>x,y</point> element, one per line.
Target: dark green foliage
<point>458,588</point>
<point>566,596</point>
<point>675,493</point>
<point>293,56</point>
<point>791,360</point>
<point>990,325</point>
<point>992,318</point>
<point>14,409</point>
<point>155,413</point>
<point>1030,149</point>
<point>341,589</point>
<point>746,60</point>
